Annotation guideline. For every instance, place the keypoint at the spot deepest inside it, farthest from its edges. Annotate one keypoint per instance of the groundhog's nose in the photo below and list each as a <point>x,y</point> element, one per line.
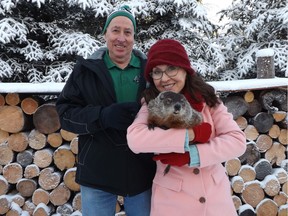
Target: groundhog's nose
<point>177,107</point>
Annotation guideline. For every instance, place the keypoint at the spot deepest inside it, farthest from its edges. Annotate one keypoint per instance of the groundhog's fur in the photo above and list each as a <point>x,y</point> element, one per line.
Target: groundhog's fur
<point>172,110</point>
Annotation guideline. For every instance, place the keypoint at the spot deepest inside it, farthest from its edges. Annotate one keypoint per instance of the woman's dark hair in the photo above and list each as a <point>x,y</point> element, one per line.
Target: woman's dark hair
<point>194,85</point>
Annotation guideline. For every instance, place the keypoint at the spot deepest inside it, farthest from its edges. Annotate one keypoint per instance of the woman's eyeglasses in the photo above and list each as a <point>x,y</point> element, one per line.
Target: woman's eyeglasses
<point>170,71</point>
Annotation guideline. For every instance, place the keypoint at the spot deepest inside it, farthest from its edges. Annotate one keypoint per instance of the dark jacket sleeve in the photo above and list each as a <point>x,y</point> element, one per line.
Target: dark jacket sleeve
<point>74,113</point>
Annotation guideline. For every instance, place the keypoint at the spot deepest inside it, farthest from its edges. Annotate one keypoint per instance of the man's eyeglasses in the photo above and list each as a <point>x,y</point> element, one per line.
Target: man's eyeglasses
<point>170,71</point>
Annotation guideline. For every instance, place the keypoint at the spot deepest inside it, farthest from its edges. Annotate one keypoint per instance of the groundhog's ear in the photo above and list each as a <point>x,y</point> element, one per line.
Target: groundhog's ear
<point>162,96</point>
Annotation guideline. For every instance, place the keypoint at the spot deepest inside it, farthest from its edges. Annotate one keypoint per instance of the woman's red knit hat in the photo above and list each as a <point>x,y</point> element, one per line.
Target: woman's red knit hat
<point>167,52</point>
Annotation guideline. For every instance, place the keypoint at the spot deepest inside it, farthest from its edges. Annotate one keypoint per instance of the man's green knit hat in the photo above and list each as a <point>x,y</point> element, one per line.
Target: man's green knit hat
<point>122,11</point>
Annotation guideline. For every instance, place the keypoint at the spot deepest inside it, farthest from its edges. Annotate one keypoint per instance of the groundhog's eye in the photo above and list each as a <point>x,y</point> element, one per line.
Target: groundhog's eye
<point>168,100</point>
<point>183,102</point>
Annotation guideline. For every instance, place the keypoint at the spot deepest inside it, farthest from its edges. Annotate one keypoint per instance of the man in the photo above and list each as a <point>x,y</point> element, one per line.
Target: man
<point>99,101</point>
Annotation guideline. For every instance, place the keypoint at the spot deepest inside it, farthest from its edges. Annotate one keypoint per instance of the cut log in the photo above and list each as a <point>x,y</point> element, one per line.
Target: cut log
<point>233,166</point>
<point>274,131</point>
<point>12,99</point>
<point>251,155</point>
<point>68,136</point>
<point>29,207</point>
<point>281,174</point>
<point>271,185</point>
<point>247,173</point>
<point>74,145</point>
<point>49,179</point>
<point>13,120</point>
<point>266,207</point>
<point>279,116</point>
<point>18,142</point>
<point>65,209</point>
<point>43,158</point>
<point>76,202</point>
<point>249,96</point>
<point>264,142</point>
<point>2,100</point>
<point>15,210</point>
<point>242,122</point>
<point>262,169</point>
<point>42,210</point>
<point>276,154</point>
<point>283,209</point>
<point>253,193</point>
<point>69,179</point>
<point>254,108</point>
<point>251,132</point>
<point>31,171</point>
<point>280,199</point>
<point>63,158</point>
<point>4,185</point>
<point>274,100</point>
<point>40,196</point>
<point>37,140</point>
<point>237,201</point>
<point>236,105</point>
<point>5,204</point>
<point>13,172</point>
<point>60,195</point>
<point>6,154</point>
<point>285,188</point>
<point>237,184</point>
<point>3,136</point>
<point>30,104</point>
<point>55,139</point>
<point>263,122</point>
<point>26,187</point>
<point>46,119</point>
<point>246,210</point>
<point>19,199</point>
<point>25,158</point>
<point>283,137</point>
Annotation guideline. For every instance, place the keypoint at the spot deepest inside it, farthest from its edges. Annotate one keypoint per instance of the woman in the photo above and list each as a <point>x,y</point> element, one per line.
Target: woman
<point>196,183</point>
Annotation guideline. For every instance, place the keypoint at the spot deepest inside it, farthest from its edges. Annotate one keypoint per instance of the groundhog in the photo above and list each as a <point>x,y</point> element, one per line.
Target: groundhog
<point>172,110</point>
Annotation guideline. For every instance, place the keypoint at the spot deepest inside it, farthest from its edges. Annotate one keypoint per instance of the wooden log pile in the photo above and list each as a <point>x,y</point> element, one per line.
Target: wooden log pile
<point>38,158</point>
<point>259,177</point>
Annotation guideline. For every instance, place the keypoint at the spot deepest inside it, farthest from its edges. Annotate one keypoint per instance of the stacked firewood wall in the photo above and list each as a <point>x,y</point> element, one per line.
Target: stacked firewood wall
<point>259,177</point>
<point>38,158</point>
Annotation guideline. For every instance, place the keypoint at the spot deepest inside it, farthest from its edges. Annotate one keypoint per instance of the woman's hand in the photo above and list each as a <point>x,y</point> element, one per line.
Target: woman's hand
<point>200,133</point>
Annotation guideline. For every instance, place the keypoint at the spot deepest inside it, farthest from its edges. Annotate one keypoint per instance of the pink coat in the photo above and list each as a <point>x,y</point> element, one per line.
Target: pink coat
<point>186,191</point>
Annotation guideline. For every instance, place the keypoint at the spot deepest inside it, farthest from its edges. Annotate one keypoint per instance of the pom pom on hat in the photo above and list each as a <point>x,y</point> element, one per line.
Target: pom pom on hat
<point>167,52</point>
<point>122,11</point>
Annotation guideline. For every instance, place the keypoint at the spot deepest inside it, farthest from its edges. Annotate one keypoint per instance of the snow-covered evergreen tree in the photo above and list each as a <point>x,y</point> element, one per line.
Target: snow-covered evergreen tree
<point>40,39</point>
<point>254,25</point>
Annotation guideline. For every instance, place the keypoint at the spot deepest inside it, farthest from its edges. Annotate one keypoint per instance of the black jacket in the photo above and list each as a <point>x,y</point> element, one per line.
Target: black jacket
<point>104,160</point>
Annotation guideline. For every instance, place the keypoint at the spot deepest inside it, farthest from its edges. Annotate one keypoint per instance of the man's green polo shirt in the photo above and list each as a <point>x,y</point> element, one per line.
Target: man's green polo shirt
<point>126,81</point>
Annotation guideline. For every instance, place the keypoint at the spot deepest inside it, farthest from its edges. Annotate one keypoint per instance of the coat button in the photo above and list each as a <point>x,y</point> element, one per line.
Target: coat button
<point>202,200</point>
<point>196,171</point>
